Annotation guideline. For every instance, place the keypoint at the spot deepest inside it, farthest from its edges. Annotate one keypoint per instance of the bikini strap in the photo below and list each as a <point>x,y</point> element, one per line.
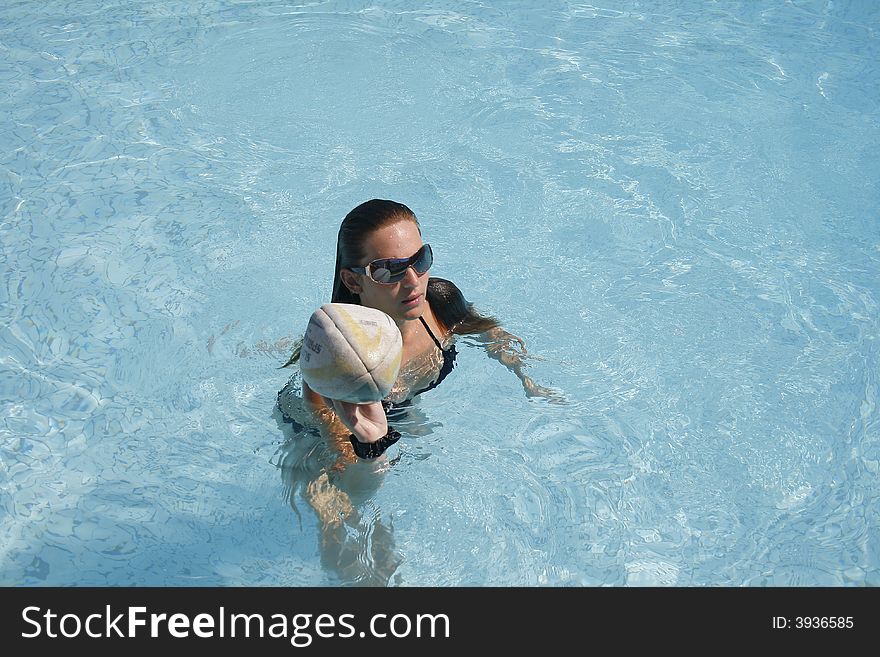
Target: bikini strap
<point>425,324</point>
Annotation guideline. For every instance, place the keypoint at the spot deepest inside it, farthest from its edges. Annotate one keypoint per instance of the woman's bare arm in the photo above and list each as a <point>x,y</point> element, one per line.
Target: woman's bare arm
<point>511,351</point>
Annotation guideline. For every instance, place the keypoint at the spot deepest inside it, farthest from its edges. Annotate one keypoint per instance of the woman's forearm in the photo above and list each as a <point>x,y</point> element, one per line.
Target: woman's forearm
<point>510,350</point>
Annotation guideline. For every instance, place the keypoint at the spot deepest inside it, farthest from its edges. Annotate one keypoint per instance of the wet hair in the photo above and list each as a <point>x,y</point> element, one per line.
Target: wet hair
<point>452,310</point>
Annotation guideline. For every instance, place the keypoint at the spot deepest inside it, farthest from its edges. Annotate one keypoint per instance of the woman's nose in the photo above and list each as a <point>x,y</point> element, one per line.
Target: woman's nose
<point>411,278</point>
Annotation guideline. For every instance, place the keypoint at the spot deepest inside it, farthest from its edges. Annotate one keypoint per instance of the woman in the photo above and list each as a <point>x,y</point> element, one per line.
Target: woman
<point>381,262</point>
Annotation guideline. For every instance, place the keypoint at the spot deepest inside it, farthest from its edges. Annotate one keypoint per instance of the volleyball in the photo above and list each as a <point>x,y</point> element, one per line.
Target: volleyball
<point>351,353</point>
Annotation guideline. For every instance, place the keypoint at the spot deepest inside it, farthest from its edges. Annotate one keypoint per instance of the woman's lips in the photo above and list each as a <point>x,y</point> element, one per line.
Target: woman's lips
<point>412,302</point>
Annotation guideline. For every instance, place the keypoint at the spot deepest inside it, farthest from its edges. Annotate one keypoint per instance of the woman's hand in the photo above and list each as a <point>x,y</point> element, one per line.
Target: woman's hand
<point>534,390</point>
<point>366,421</point>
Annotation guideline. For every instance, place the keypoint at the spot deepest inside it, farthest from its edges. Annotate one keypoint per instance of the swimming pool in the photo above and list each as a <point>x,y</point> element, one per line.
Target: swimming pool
<point>673,204</point>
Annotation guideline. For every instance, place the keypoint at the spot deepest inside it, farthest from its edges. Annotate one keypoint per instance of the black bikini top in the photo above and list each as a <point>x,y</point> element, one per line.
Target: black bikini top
<point>395,411</point>
<point>448,358</point>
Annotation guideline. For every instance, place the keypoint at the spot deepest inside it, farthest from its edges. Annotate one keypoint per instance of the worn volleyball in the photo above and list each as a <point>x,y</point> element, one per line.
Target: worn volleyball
<point>351,353</point>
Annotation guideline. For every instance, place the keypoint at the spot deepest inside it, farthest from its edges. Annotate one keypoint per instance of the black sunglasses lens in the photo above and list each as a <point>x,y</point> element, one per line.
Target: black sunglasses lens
<point>424,259</point>
<point>389,271</point>
<point>393,270</point>
<point>381,274</point>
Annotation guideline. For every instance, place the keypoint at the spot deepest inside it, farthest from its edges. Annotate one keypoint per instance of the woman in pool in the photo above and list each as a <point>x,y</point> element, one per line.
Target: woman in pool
<point>381,262</point>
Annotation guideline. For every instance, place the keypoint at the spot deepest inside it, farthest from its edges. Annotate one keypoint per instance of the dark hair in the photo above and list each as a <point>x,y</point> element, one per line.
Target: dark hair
<point>448,303</point>
<point>453,311</point>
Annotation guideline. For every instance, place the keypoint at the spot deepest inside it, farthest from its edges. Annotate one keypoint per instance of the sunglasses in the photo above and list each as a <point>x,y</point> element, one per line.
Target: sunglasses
<point>387,271</point>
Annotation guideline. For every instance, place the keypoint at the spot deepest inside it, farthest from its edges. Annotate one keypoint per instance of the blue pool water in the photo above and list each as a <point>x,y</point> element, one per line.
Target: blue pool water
<point>674,204</point>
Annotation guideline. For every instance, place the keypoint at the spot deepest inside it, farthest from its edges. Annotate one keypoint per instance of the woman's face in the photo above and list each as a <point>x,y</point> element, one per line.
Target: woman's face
<point>405,299</point>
